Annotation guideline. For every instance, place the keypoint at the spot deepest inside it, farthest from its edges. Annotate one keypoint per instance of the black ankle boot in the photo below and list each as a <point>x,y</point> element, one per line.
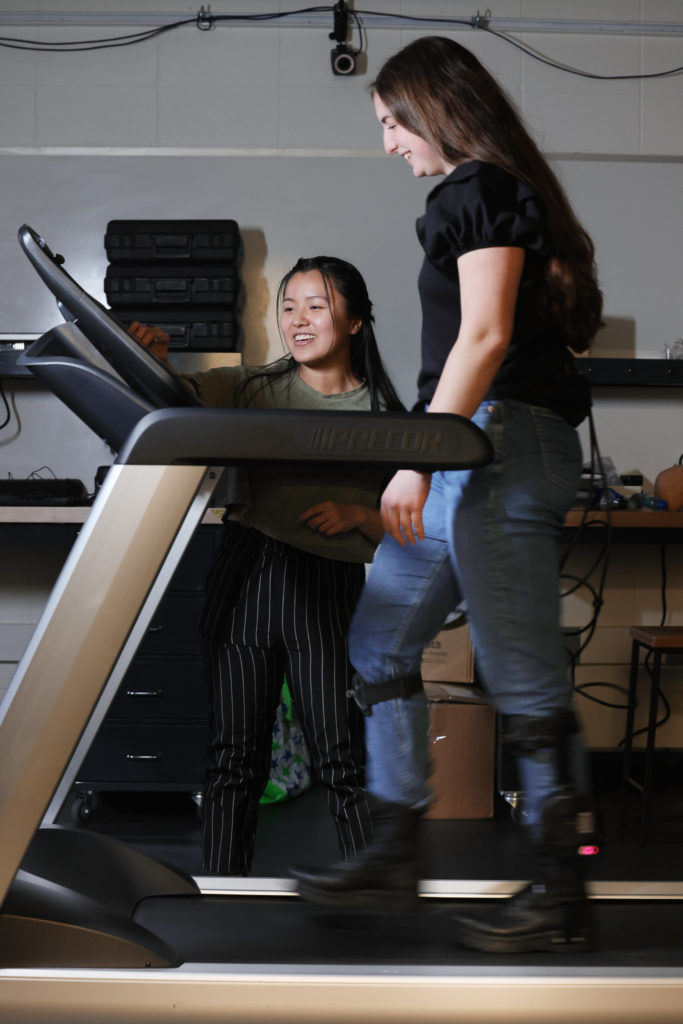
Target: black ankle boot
<point>552,915</point>
<point>383,877</point>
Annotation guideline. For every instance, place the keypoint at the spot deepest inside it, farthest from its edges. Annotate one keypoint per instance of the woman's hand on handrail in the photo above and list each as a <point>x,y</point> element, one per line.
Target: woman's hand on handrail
<point>153,338</point>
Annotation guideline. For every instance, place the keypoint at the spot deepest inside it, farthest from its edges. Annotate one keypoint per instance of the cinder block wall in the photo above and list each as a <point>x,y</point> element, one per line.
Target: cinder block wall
<point>249,122</point>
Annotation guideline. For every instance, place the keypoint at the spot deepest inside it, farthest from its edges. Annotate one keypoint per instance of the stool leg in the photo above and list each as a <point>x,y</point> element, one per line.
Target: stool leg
<point>628,737</point>
<point>650,750</point>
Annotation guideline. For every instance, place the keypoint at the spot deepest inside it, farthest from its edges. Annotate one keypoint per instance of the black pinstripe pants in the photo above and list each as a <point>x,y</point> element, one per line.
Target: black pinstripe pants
<point>274,611</point>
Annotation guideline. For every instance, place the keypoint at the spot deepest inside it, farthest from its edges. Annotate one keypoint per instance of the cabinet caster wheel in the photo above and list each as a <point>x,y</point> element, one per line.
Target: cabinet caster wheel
<point>84,806</point>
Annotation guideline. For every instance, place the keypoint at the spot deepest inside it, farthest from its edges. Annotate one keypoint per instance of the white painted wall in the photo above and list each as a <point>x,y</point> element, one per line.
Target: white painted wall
<point>250,123</point>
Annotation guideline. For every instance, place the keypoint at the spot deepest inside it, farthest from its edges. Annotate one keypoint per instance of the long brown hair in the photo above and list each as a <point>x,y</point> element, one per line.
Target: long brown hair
<point>438,90</point>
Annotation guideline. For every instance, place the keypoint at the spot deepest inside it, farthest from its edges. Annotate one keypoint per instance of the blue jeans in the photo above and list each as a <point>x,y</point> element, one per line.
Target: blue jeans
<point>491,543</point>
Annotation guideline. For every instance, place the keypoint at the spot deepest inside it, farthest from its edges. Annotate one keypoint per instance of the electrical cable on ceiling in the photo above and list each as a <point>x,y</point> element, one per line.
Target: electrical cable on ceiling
<point>575,71</point>
<point>205,20</point>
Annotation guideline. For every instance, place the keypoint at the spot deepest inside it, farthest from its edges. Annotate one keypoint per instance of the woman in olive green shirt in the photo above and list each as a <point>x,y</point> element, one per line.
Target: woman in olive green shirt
<point>291,568</point>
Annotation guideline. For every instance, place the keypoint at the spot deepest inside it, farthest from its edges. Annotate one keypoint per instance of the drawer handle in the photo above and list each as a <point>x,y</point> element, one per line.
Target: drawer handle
<point>144,693</point>
<point>144,757</point>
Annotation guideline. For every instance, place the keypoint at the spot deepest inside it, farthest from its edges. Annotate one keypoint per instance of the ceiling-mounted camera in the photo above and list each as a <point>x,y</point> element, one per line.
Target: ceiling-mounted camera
<point>342,58</point>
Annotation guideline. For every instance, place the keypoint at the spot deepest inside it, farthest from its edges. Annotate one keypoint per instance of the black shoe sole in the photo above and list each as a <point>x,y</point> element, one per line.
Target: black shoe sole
<point>385,901</point>
<point>537,942</point>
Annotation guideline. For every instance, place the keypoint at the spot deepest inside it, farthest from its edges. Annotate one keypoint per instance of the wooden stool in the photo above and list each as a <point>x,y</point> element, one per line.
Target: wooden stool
<point>659,640</point>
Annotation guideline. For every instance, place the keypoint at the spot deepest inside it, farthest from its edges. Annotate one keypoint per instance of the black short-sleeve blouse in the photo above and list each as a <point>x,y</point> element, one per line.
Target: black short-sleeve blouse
<point>479,206</point>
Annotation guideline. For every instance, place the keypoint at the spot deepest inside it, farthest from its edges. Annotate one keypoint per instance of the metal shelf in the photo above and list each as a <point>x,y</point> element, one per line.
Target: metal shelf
<point>9,368</point>
<point>623,373</point>
<point>628,373</point>
<point>11,347</point>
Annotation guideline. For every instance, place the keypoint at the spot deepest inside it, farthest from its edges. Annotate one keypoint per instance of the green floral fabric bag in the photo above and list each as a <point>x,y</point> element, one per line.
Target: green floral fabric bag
<point>290,763</point>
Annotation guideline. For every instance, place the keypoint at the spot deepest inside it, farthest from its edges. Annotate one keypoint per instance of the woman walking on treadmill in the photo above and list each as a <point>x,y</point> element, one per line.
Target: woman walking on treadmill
<point>290,570</point>
<point>507,287</point>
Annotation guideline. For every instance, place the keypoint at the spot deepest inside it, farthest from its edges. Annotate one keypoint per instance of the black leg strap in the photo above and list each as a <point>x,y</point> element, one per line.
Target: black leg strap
<point>528,736</point>
<point>367,694</point>
<point>567,820</point>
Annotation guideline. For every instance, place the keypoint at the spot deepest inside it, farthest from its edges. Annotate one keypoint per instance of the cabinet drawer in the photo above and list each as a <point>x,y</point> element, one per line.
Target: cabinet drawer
<point>162,689</point>
<point>197,560</point>
<point>150,753</point>
<point>174,628</point>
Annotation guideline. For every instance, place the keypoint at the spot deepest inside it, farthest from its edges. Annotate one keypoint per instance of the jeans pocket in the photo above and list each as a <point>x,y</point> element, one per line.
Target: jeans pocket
<point>559,450</point>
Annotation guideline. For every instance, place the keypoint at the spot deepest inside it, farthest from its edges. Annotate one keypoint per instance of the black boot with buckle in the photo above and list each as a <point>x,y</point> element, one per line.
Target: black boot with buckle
<point>552,913</point>
<point>383,877</point>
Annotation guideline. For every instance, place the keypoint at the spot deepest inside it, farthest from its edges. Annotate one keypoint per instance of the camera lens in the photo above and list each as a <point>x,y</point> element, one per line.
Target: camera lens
<point>343,62</point>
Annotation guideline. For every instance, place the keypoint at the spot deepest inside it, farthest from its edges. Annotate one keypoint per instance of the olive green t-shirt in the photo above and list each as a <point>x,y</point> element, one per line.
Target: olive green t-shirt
<point>274,498</point>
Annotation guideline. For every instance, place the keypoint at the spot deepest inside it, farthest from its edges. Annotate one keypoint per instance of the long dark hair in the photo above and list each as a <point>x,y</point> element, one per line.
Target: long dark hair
<point>366,362</point>
<point>438,90</point>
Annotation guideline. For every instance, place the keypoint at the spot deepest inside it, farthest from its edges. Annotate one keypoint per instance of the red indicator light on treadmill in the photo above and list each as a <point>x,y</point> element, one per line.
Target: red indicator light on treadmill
<point>588,851</point>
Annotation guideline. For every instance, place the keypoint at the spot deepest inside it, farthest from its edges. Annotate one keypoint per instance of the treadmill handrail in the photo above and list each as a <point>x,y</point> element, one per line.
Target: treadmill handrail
<point>424,441</point>
<point>145,374</point>
<point>74,371</point>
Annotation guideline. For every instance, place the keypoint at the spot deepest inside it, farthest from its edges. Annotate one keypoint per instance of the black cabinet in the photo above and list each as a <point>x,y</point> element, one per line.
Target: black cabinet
<point>155,735</point>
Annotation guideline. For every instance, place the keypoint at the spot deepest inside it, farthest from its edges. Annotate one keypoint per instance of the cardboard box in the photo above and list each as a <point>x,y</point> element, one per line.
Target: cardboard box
<point>462,750</point>
<point>449,658</point>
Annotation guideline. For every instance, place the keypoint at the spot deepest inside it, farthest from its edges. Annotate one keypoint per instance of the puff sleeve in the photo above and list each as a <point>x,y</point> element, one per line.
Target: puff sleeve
<point>479,206</point>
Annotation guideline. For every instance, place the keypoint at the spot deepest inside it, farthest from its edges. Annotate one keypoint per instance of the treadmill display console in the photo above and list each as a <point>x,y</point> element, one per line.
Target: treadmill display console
<point>141,370</point>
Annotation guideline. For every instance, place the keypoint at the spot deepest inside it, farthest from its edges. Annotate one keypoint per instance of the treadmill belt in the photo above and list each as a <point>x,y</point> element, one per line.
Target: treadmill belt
<point>283,930</point>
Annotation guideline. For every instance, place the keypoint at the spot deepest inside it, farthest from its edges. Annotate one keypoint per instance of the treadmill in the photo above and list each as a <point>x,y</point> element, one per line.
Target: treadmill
<point>92,929</point>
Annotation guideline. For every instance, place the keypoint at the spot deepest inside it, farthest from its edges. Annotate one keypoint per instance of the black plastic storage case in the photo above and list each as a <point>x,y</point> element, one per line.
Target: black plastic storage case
<point>180,275</point>
<point>202,330</point>
<point>153,241</point>
<point>154,284</point>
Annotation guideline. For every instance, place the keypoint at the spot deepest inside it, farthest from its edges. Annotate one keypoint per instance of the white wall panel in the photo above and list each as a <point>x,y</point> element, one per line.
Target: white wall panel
<point>177,127</point>
<point>99,115</point>
<point>18,115</point>
<point>362,208</point>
